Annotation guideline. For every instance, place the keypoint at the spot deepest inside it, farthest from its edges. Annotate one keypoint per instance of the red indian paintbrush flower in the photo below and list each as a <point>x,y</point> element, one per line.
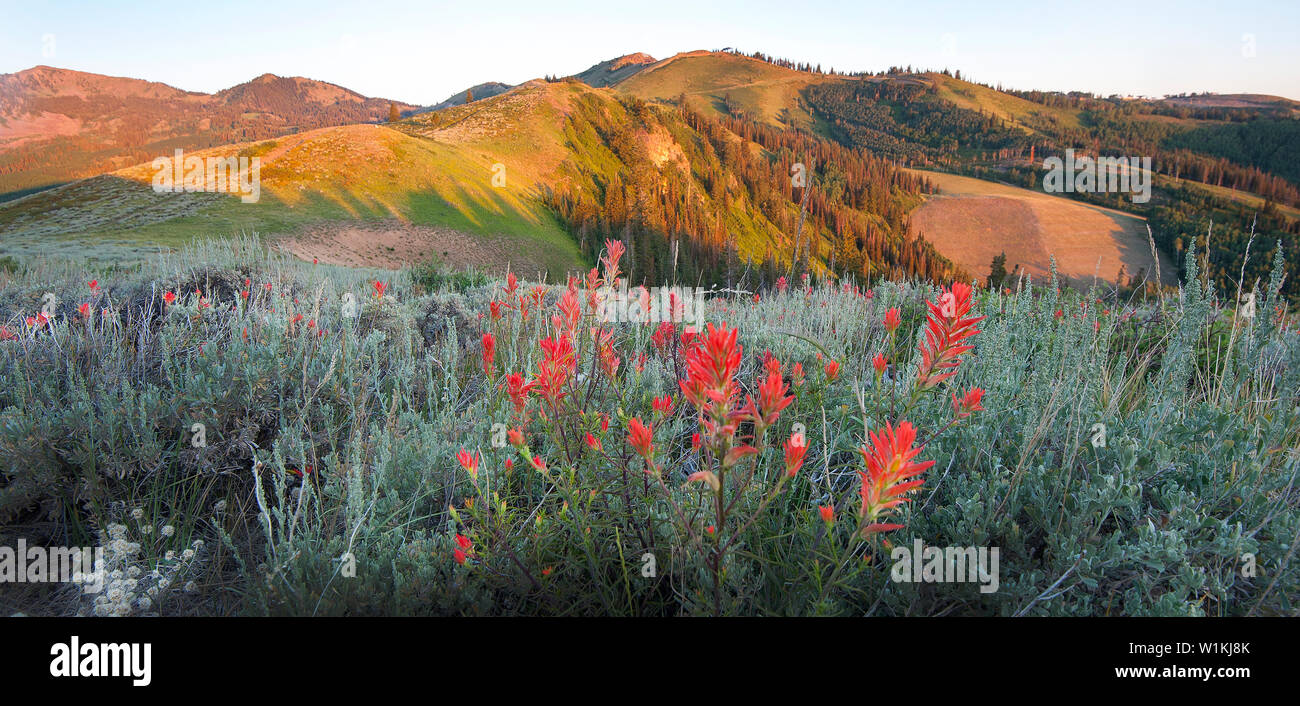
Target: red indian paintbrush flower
<point>614,250</point>
<point>538,294</point>
<point>892,320</point>
<point>169,297</point>
<point>489,353</point>
<point>947,325</point>
<point>641,437</point>
<point>593,442</point>
<point>711,370</point>
<point>879,364</point>
<point>662,335</point>
<point>609,360</point>
<point>594,298</point>
<point>468,461</point>
<point>463,541</point>
<point>832,371</point>
<point>771,398</point>
<point>827,512</point>
<point>889,468</point>
<point>558,363</point>
<point>518,391</point>
<point>570,310</point>
<point>380,287</point>
<point>94,285</point>
<point>663,406</point>
<point>969,402</point>
<point>795,448</point>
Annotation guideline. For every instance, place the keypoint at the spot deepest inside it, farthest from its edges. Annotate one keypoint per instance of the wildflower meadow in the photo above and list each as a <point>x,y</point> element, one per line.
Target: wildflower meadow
<point>250,434</point>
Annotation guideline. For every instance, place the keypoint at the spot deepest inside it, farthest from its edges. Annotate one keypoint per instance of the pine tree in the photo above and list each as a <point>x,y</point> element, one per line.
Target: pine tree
<point>998,272</point>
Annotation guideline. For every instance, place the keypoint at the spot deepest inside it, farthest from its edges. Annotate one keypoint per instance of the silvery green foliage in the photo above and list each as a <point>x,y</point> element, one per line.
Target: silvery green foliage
<point>1198,469</point>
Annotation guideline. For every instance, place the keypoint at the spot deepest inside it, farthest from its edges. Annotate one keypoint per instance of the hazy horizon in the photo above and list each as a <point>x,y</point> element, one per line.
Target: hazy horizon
<point>421,54</point>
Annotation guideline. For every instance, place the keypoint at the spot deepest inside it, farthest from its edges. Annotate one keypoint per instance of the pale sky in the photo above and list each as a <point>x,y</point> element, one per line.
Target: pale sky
<point>422,52</point>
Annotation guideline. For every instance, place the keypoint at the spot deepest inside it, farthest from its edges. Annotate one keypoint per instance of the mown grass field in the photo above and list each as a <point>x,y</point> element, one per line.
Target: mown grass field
<point>453,444</point>
<point>971,221</point>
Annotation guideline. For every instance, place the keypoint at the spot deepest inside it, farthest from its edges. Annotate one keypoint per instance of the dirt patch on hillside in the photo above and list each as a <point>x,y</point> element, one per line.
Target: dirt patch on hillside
<point>393,244</point>
<point>972,221</point>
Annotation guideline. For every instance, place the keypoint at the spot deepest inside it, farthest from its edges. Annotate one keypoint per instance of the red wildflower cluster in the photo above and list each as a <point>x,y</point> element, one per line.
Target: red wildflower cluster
<point>489,353</point>
<point>832,371</point>
<point>889,468</point>
<point>468,461</point>
<point>947,326</point>
<point>662,335</point>
<point>711,386</point>
<point>609,360</point>
<point>772,398</point>
<point>557,366</point>
<point>641,437</point>
<point>570,310</point>
<point>795,449</point>
<point>663,406</point>
<point>463,545</point>
<point>969,402</point>
<point>614,250</point>
<point>518,391</point>
<point>892,320</point>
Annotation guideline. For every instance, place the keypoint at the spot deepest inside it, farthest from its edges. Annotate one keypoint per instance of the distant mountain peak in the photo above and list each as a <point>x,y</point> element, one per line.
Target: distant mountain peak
<point>631,60</point>
<point>608,73</point>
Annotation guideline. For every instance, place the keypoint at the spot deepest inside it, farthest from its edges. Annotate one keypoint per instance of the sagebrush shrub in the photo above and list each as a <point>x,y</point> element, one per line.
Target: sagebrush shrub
<point>495,448</point>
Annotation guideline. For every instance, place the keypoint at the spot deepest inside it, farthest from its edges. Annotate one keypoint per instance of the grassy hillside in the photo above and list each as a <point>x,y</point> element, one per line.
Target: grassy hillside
<point>481,184</point>
<point>425,171</point>
<point>711,80</point>
<point>57,125</point>
<point>1021,113</point>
